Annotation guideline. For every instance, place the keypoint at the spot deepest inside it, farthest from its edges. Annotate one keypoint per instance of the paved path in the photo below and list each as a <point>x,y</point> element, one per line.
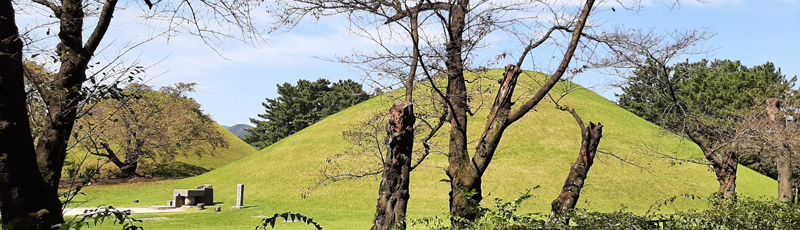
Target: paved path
<point>77,211</point>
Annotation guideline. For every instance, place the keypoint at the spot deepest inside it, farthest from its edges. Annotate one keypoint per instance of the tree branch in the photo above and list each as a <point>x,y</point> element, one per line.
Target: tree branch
<point>56,9</point>
<point>562,68</point>
<point>577,118</point>
<point>533,45</point>
<point>102,26</point>
<point>417,9</point>
<point>425,144</point>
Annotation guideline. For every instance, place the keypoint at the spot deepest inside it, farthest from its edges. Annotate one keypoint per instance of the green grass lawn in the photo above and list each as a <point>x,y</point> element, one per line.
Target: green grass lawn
<point>537,150</point>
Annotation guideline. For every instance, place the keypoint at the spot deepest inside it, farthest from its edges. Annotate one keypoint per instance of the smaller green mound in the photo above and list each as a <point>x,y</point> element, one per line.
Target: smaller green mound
<point>185,164</point>
<point>237,149</point>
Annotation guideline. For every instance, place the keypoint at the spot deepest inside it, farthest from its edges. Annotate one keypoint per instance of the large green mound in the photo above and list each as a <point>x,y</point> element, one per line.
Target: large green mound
<point>537,150</point>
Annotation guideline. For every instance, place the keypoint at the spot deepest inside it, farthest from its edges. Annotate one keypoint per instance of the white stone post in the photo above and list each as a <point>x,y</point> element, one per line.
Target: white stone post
<point>239,196</point>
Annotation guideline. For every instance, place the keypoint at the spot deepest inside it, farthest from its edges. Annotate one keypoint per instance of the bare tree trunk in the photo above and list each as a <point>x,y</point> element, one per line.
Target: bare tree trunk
<point>469,183</point>
<point>466,174</point>
<point>726,173</point>
<point>393,193</point>
<point>51,149</point>
<point>128,169</point>
<point>777,125</point>
<point>785,193</point>
<point>26,202</point>
<point>465,184</point>
<point>725,164</point>
<point>566,200</point>
<point>62,106</point>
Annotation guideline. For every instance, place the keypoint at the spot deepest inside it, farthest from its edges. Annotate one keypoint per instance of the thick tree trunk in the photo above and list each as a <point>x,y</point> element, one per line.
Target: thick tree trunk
<point>26,202</point>
<point>62,105</point>
<point>726,173</point>
<point>132,157</point>
<point>466,188</point>
<point>393,193</point>
<point>777,125</point>
<point>571,191</point>
<point>127,168</point>
<point>465,184</point>
<point>785,191</point>
<point>725,164</point>
<point>465,174</point>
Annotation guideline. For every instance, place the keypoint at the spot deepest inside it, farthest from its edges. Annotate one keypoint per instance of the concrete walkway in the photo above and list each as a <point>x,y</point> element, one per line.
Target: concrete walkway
<point>78,211</point>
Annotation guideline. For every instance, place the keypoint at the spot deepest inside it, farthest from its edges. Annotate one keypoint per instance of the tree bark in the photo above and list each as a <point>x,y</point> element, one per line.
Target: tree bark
<point>62,105</point>
<point>26,202</point>
<point>725,164</point>
<point>466,191</point>
<point>726,169</point>
<point>777,125</point>
<point>394,192</point>
<point>571,191</point>
<point>785,191</point>
<point>466,174</point>
<point>51,149</point>
<point>464,188</point>
<point>127,168</point>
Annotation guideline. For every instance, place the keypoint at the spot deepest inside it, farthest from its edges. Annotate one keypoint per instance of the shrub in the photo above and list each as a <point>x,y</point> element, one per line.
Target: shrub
<point>739,213</point>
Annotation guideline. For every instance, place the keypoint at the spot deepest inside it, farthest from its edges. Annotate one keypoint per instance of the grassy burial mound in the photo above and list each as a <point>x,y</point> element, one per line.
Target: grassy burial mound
<point>186,161</point>
<point>537,150</point>
<point>237,149</point>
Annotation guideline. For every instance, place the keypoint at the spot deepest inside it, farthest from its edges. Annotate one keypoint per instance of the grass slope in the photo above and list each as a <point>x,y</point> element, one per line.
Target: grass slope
<point>237,149</point>
<point>537,150</point>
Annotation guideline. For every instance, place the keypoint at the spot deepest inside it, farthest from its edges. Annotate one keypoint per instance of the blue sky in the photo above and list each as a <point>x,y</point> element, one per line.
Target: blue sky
<point>232,90</point>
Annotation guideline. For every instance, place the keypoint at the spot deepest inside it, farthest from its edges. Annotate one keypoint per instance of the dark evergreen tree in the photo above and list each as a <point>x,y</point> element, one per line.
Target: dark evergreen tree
<point>299,106</point>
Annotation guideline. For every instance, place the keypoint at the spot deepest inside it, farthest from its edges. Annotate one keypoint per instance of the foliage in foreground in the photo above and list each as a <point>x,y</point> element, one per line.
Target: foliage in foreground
<point>92,217</point>
<point>287,217</point>
<point>739,213</point>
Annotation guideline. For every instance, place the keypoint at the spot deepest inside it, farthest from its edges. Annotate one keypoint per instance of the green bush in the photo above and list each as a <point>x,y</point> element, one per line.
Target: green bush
<point>739,213</point>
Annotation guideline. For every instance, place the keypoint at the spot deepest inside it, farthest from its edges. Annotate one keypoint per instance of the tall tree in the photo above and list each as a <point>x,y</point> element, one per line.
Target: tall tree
<point>393,192</point>
<point>299,106</point>
<point>26,200</point>
<point>21,208</point>
<point>213,21</point>
<point>703,101</point>
<point>153,125</point>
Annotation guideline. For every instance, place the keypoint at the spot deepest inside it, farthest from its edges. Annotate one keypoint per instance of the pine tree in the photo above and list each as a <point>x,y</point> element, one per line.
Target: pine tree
<point>299,106</point>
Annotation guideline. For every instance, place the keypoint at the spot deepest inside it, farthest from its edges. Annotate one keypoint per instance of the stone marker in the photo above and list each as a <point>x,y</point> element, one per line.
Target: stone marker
<point>201,206</point>
<point>218,209</point>
<point>208,194</point>
<point>239,196</point>
<point>191,197</point>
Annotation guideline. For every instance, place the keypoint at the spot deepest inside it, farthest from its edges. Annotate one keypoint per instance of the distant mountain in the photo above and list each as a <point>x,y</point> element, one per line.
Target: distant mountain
<point>238,129</point>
